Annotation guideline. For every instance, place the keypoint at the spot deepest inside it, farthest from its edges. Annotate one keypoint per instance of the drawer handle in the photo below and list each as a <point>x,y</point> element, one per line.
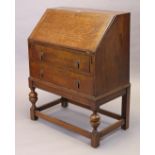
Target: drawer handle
<point>77,64</point>
<point>41,73</point>
<point>41,56</point>
<point>77,83</point>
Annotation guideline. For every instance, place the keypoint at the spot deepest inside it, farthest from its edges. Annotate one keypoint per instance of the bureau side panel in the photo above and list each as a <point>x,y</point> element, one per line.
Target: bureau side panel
<point>112,57</point>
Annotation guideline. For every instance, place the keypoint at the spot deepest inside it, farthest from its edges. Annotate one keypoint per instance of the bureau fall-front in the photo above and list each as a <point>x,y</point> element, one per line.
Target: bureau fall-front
<point>81,55</point>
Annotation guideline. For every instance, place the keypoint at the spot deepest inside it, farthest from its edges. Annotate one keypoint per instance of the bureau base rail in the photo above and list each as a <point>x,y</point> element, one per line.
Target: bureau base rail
<point>48,105</point>
<point>64,124</point>
<point>111,128</point>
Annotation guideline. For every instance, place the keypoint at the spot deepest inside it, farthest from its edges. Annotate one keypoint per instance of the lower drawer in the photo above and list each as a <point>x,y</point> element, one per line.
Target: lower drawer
<point>64,78</point>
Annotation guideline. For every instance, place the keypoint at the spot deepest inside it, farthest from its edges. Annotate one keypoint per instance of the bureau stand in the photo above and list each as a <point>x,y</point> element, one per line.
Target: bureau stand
<point>95,135</point>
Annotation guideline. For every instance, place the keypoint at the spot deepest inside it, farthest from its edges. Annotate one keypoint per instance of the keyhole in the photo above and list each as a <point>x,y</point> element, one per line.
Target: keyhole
<point>77,64</point>
<point>78,84</point>
<point>41,56</point>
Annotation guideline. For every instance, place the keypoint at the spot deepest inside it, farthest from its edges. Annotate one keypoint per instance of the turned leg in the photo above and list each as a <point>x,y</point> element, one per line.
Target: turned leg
<point>64,102</point>
<point>33,99</point>
<point>126,108</point>
<point>95,122</point>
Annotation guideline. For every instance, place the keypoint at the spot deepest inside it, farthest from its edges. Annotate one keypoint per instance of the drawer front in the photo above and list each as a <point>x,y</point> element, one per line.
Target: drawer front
<point>61,58</point>
<point>67,79</point>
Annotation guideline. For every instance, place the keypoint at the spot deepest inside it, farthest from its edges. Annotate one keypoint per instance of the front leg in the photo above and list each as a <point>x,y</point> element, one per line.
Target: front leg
<point>33,97</point>
<point>95,122</point>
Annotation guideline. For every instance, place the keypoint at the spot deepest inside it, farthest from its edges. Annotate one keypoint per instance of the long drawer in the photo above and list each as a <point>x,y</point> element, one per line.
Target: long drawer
<point>58,57</point>
<point>61,77</point>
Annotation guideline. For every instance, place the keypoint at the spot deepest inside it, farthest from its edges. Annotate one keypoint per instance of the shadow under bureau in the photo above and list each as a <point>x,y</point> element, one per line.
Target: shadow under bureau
<point>83,56</point>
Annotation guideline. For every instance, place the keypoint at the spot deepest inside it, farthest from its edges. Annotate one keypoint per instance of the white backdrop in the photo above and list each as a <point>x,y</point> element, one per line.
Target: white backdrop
<point>44,139</point>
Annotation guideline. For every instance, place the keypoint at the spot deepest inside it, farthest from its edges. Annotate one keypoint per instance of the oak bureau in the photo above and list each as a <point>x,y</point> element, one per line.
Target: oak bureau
<point>83,56</point>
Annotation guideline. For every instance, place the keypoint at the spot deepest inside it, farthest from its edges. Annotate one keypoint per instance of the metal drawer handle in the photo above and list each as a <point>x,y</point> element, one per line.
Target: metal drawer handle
<point>77,83</point>
<point>41,56</point>
<point>77,64</point>
<point>41,73</point>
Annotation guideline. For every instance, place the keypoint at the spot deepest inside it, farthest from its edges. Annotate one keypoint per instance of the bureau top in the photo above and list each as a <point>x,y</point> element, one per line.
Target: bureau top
<point>79,29</point>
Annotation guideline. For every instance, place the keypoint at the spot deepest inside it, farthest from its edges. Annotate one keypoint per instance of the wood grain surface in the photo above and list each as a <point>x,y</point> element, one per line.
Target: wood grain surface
<point>83,56</point>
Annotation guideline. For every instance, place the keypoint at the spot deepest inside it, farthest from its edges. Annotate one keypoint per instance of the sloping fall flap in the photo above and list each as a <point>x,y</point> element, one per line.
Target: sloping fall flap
<point>73,28</point>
